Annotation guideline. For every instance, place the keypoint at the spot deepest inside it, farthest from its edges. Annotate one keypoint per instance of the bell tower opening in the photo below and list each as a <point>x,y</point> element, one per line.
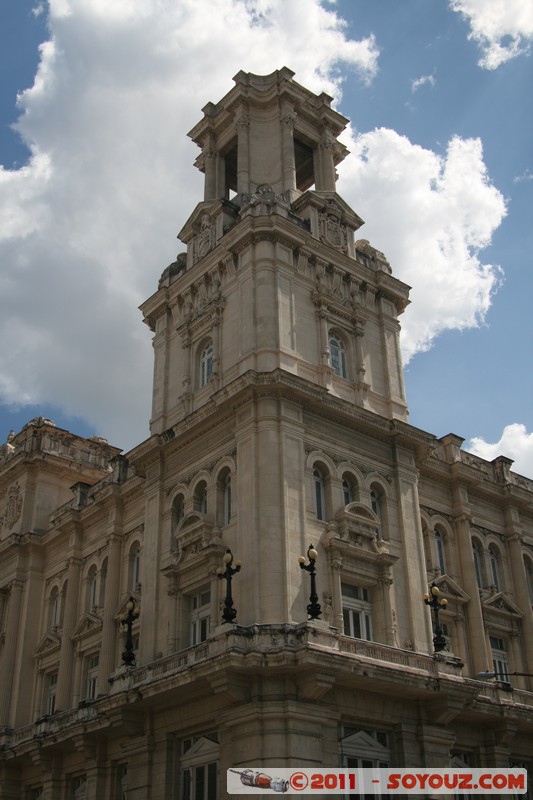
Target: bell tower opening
<point>230,170</point>
<point>304,160</point>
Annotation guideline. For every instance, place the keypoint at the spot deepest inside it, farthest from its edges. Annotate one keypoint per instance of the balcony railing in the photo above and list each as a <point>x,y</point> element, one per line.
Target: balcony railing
<point>292,643</point>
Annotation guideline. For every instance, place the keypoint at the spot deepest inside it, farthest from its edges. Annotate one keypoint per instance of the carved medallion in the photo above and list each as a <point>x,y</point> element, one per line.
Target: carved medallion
<point>13,506</point>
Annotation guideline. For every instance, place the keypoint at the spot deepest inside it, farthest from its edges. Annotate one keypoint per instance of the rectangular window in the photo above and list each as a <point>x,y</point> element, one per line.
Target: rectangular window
<point>356,612</point>
<point>121,782</point>
<point>92,676</point>
<point>200,609</point>
<point>78,788</point>
<point>500,661</point>
<point>51,694</point>
<point>366,750</point>
<point>200,782</point>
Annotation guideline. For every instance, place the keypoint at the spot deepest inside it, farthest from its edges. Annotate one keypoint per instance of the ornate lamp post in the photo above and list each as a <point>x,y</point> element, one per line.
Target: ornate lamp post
<point>436,603</point>
<point>227,572</point>
<point>132,613</point>
<point>313,609</point>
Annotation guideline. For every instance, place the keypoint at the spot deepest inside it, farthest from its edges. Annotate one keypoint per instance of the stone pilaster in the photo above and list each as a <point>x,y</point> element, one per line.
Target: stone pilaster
<point>66,658</point>
<point>8,661</point>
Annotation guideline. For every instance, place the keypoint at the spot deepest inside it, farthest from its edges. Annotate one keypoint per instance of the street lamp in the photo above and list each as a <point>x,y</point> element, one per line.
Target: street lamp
<point>227,572</point>
<point>313,609</point>
<point>132,613</point>
<point>436,603</point>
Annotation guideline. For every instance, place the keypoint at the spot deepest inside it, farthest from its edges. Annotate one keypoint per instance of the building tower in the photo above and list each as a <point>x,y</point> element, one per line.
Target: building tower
<point>276,347</point>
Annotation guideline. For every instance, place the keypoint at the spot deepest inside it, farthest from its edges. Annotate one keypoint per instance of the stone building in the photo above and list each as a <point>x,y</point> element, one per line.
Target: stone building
<point>279,420</point>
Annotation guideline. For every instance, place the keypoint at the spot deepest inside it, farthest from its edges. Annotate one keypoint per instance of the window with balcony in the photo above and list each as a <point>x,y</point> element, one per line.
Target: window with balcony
<point>51,691</point>
<point>356,612</point>
<point>500,660</point>
<point>200,616</point>
<point>337,356</point>
<point>92,676</point>
<point>206,364</point>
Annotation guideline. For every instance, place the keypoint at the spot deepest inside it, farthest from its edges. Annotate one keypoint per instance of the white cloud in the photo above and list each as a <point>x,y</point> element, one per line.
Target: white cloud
<point>431,215</point>
<point>424,80</point>
<point>515,442</point>
<point>503,29</point>
<point>88,225</point>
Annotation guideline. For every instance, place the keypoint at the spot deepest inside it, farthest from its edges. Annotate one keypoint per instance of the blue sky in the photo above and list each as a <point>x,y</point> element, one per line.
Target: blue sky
<point>97,179</point>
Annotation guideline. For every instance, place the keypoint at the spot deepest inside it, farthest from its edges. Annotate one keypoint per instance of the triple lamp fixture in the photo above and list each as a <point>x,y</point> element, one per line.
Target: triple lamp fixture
<point>436,603</point>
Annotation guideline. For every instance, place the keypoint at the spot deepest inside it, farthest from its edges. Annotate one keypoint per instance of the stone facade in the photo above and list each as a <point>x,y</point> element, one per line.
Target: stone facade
<point>279,419</point>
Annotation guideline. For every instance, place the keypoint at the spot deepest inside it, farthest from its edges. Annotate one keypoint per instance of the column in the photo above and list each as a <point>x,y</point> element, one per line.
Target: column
<point>479,658</point>
<point>108,649</point>
<point>520,587</point>
<point>243,153</point>
<point>66,657</point>
<point>359,331</point>
<point>210,166</point>
<point>335,579</point>
<point>7,662</point>
<point>287,133</point>
<point>325,181</point>
<point>324,334</point>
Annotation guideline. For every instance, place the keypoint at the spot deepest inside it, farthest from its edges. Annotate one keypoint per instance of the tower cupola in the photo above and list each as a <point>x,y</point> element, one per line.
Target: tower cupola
<point>268,131</point>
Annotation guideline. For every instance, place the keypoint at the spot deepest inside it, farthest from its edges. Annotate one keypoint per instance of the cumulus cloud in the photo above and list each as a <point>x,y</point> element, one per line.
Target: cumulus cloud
<point>503,29</point>
<point>89,223</point>
<point>431,215</point>
<point>515,442</point>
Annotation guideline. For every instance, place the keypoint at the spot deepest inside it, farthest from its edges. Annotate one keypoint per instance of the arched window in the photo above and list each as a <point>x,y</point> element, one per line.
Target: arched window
<point>135,567</point>
<point>200,497</point>
<point>92,585</point>
<point>478,562</point>
<point>206,364</point>
<point>178,511</point>
<point>349,488</point>
<point>319,493</point>
<point>223,510</point>
<point>53,612</point>
<point>439,548</point>
<point>337,356</point>
<point>494,562</point>
<point>227,499</point>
